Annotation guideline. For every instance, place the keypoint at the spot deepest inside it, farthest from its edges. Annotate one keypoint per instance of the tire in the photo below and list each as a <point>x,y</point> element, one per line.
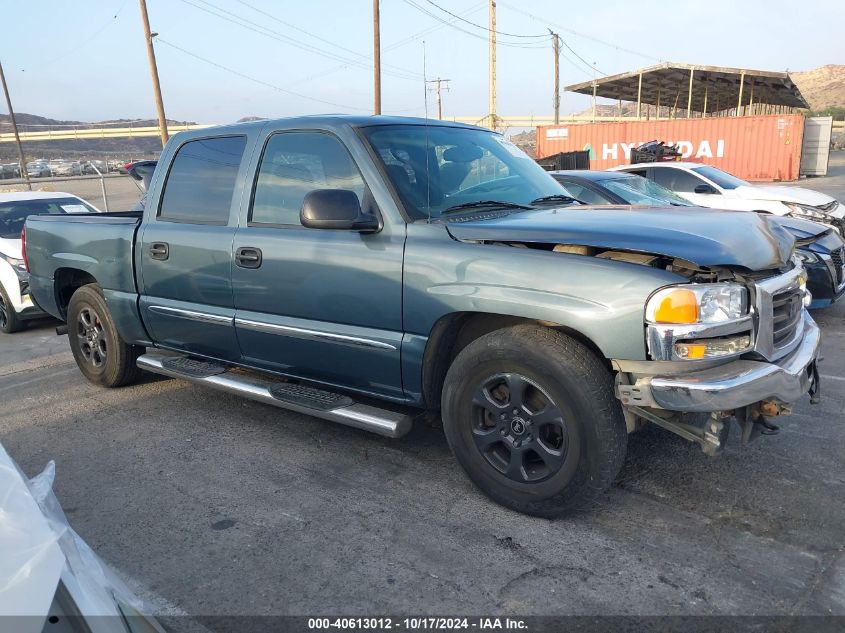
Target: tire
<point>567,441</point>
<point>10,322</point>
<point>102,356</point>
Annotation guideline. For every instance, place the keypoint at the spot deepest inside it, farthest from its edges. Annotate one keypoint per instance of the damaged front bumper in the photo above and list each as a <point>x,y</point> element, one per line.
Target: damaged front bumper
<point>730,386</point>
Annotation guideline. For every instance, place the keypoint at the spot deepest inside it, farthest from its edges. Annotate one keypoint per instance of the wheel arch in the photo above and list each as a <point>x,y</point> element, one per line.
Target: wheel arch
<point>454,331</point>
<point>66,281</point>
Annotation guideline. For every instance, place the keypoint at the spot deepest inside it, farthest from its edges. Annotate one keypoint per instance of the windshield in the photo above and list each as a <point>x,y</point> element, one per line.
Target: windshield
<point>721,178</point>
<point>14,214</point>
<point>435,168</point>
<point>639,190</point>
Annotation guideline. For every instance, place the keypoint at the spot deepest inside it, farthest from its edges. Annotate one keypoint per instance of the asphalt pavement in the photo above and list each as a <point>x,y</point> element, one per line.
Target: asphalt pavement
<point>210,504</point>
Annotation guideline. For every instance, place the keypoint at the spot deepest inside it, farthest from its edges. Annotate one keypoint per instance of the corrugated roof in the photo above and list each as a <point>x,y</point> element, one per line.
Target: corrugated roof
<point>668,83</point>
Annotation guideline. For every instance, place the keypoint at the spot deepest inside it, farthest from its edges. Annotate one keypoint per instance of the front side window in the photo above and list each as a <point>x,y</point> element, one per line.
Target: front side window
<point>434,168</point>
<point>721,178</point>
<point>201,182</point>
<point>676,179</point>
<point>293,165</point>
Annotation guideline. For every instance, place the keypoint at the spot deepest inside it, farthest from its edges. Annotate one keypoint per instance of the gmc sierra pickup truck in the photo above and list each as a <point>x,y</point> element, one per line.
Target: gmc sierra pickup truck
<point>365,270</point>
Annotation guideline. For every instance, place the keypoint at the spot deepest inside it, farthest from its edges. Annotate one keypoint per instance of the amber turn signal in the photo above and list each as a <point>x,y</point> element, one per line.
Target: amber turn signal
<point>676,305</point>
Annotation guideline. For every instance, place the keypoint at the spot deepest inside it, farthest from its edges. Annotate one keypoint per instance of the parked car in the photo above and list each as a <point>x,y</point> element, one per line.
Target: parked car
<point>708,186</point>
<point>16,304</point>
<point>10,170</point>
<point>65,168</point>
<point>38,169</point>
<point>821,249</point>
<point>322,264</point>
<point>94,166</point>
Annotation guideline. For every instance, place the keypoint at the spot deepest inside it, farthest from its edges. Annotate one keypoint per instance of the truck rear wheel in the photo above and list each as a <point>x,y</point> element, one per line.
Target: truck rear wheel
<point>531,417</point>
<point>102,356</point>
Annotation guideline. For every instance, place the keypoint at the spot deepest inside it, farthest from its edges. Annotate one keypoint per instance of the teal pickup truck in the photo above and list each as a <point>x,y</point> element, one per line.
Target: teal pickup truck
<point>365,270</point>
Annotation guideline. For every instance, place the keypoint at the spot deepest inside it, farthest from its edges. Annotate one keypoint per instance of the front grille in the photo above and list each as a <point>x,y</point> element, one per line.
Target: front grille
<point>787,316</point>
<point>838,257</point>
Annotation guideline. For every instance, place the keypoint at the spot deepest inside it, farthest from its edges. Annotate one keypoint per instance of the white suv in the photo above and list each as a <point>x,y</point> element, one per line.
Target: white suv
<point>16,305</point>
<point>708,186</point>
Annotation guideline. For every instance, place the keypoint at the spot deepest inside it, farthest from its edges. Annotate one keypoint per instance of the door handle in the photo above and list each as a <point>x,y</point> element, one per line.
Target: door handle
<point>159,250</point>
<point>248,257</point>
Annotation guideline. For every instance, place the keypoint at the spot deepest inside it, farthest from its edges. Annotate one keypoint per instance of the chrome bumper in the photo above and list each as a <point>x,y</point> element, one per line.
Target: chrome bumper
<point>736,384</point>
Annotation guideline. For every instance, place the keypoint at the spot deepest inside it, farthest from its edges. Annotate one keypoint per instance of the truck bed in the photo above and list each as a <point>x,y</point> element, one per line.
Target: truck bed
<point>100,245</point>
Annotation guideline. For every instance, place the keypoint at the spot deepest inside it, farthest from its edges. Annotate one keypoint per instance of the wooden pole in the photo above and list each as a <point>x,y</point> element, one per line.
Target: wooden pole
<point>689,97</point>
<point>376,59</point>
<point>21,156</point>
<point>741,84</point>
<point>492,63</point>
<point>556,97</point>
<point>151,57</point>
<point>639,96</point>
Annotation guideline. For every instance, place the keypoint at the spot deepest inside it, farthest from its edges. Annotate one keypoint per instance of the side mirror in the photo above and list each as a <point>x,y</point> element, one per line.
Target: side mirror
<point>704,188</point>
<point>337,209</point>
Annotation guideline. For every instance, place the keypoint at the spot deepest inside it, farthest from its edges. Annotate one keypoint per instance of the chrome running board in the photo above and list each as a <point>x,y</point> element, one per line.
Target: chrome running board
<point>262,388</point>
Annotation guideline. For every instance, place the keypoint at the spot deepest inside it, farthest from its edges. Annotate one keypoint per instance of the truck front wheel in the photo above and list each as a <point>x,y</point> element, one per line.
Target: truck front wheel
<point>102,356</point>
<point>531,417</point>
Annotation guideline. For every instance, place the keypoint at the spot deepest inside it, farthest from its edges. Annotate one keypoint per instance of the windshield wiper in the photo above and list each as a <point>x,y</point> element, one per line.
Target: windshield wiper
<point>558,197</point>
<point>478,204</point>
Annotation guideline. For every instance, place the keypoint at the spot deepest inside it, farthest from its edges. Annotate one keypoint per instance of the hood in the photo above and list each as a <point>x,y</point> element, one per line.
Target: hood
<point>11,247</point>
<point>782,193</point>
<point>801,229</point>
<point>707,237</point>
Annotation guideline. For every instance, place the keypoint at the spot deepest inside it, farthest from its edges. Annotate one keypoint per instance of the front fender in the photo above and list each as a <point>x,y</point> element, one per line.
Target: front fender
<point>601,299</point>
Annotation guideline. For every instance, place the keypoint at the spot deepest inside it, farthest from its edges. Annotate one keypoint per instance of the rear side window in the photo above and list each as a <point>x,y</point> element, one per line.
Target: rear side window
<point>201,181</point>
<point>294,164</point>
<point>676,179</point>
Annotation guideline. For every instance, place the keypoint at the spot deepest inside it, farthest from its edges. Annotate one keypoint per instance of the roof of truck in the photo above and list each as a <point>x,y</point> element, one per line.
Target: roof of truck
<point>353,120</point>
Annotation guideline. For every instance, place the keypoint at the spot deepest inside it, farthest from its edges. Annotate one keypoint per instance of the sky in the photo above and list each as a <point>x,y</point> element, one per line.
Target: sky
<point>220,60</point>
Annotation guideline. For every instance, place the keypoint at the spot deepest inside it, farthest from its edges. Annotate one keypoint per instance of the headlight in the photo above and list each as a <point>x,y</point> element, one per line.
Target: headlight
<point>698,303</point>
<point>806,211</point>
<point>17,264</point>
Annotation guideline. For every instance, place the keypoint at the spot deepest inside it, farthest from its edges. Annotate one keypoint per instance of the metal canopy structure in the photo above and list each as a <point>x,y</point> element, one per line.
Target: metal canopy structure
<point>696,88</point>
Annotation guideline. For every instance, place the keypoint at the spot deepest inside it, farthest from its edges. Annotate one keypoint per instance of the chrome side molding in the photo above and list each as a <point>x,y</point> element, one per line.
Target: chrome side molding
<point>192,315</point>
<point>313,335</point>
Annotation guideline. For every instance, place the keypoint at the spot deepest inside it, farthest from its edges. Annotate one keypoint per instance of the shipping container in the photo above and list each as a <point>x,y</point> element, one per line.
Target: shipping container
<point>761,148</point>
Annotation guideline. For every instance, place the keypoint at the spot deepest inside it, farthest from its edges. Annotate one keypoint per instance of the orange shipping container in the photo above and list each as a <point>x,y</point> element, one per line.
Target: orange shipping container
<point>750,147</point>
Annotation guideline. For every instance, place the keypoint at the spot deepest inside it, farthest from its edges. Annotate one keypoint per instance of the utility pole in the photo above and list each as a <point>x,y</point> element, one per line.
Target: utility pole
<point>437,82</point>
<point>376,58</point>
<point>556,100</point>
<point>151,56</point>
<point>15,128</point>
<point>492,64</point>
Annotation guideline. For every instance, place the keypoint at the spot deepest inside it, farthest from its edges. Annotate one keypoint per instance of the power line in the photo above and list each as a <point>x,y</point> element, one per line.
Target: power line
<point>256,80</point>
<point>434,16</point>
<point>579,34</point>
<point>395,45</point>
<point>332,43</point>
<point>479,26</point>
<point>281,37</point>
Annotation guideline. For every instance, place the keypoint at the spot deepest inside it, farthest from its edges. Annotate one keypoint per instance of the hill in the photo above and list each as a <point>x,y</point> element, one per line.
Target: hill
<point>823,87</point>
<point>143,147</point>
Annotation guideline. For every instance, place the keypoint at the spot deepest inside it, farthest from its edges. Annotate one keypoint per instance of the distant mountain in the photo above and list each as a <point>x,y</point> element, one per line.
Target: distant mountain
<point>823,87</point>
<point>123,148</point>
